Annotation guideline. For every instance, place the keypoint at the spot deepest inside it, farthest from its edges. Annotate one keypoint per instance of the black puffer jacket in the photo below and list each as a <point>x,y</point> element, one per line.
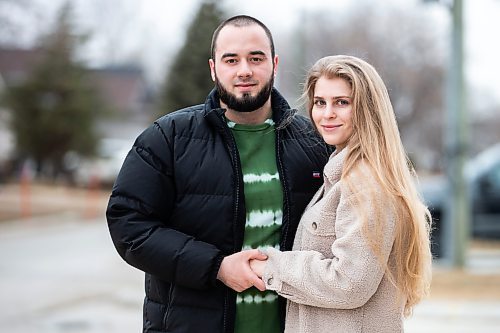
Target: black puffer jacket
<point>177,208</point>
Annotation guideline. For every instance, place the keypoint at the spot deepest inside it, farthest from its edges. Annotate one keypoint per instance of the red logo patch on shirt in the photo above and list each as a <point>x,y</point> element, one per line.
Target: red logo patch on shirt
<point>316,174</point>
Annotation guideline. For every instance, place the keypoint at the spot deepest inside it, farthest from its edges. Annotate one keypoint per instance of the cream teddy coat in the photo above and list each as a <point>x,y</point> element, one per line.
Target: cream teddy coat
<point>332,279</point>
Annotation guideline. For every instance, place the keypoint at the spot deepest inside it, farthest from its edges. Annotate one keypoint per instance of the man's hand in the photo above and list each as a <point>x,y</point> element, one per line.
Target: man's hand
<point>235,271</point>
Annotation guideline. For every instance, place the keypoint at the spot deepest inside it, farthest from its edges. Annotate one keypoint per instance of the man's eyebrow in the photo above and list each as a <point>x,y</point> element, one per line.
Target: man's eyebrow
<point>228,55</point>
<point>257,53</point>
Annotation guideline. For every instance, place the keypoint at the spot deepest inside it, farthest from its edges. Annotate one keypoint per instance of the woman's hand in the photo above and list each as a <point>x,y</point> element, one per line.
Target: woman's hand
<point>258,266</point>
<point>236,273</point>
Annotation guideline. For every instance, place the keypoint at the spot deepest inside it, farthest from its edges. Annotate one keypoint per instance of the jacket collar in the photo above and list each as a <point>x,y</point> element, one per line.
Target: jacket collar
<point>333,169</point>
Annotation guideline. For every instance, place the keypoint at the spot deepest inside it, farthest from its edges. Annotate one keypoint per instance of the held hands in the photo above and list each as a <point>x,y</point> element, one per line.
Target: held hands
<point>258,266</point>
<point>236,273</point>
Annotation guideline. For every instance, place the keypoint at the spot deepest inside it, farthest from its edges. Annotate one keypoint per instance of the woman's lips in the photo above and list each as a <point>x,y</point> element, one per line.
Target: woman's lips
<point>330,127</point>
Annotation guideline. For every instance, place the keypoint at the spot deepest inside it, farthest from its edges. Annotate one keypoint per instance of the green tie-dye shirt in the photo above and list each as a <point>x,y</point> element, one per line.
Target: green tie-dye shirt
<point>257,312</point>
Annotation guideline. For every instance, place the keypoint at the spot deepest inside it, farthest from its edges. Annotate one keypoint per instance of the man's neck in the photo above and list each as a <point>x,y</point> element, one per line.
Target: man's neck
<point>256,117</point>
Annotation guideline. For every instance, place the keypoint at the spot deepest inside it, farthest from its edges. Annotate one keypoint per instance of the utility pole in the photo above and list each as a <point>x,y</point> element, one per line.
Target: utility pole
<point>456,142</point>
<point>455,227</point>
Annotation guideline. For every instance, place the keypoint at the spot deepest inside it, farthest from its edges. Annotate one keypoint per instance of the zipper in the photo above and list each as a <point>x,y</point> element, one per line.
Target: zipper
<point>286,206</point>
<point>228,138</point>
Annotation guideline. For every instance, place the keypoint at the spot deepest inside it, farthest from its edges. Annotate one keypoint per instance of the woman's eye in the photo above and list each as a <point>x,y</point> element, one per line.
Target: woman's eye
<point>319,102</point>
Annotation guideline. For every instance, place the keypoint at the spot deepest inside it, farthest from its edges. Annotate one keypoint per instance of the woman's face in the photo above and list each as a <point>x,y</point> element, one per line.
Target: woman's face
<point>332,111</point>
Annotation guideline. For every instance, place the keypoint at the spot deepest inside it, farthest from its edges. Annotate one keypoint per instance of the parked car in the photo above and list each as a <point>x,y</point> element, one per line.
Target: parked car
<point>482,176</point>
<point>103,169</point>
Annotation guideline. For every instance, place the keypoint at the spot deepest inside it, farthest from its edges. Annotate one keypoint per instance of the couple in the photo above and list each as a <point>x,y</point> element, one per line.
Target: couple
<point>209,199</point>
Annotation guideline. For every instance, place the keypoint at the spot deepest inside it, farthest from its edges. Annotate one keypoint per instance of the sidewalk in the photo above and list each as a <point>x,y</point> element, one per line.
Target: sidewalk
<point>466,300</point>
<point>59,272</point>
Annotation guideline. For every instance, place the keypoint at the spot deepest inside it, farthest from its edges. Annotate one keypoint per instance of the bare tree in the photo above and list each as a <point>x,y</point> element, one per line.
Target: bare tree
<point>403,46</point>
<point>14,15</point>
<point>112,23</point>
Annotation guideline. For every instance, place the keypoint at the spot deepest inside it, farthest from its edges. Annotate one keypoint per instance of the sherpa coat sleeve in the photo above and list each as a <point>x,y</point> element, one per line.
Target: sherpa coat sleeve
<point>347,277</point>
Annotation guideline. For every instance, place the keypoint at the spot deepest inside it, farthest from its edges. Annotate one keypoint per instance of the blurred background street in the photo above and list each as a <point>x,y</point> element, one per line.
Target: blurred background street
<point>58,268</point>
<point>59,272</point>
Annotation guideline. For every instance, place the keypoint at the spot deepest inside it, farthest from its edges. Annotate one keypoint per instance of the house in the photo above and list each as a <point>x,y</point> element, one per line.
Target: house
<point>125,91</point>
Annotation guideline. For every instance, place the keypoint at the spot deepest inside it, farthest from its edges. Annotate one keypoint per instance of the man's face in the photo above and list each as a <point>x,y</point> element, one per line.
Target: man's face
<point>243,68</point>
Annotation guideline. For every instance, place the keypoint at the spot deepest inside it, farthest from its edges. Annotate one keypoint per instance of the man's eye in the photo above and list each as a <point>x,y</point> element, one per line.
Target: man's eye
<point>256,59</point>
<point>231,61</point>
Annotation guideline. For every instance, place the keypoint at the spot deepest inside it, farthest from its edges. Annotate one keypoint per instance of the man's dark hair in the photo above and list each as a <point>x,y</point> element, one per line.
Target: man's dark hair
<point>241,21</point>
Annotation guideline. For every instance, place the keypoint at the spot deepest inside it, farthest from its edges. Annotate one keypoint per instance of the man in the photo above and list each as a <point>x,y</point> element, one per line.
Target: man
<point>204,182</point>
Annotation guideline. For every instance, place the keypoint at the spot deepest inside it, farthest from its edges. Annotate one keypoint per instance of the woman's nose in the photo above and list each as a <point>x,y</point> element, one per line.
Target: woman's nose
<point>329,112</point>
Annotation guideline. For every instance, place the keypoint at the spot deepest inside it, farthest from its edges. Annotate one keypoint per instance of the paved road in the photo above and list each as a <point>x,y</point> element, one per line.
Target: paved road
<point>61,274</point>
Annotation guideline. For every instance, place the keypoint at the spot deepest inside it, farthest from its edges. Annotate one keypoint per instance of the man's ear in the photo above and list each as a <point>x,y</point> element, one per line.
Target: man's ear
<point>211,63</point>
<point>276,61</point>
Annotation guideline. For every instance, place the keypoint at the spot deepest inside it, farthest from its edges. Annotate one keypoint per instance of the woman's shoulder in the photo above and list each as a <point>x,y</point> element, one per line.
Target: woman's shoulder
<point>362,175</point>
<point>363,181</point>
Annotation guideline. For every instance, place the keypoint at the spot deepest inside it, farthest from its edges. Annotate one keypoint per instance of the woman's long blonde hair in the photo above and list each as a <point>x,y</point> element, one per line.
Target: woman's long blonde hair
<point>376,142</point>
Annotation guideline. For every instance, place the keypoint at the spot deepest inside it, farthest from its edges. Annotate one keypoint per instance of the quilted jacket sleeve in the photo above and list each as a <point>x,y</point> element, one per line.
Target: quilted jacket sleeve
<point>138,217</point>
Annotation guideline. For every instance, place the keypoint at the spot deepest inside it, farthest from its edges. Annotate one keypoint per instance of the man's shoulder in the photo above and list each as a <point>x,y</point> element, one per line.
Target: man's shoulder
<point>299,130</point>
<point>180,122</point>
<point>186,120</point>
<point>298,124</point>
<point>301,119</point>
<point>184,114</point>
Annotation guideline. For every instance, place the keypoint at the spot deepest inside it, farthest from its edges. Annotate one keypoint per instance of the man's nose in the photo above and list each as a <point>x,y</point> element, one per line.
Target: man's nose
<point>244,69</point>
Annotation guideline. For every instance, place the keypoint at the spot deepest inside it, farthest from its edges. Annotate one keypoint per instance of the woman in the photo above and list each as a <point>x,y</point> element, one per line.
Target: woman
<point>361,258</point>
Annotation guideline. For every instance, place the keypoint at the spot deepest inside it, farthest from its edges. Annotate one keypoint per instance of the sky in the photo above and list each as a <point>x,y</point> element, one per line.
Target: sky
<point>156,28</point>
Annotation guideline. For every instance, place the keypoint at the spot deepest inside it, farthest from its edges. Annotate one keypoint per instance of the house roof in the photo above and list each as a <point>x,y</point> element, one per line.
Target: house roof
<point>123,88</point>
<point>16,64</point>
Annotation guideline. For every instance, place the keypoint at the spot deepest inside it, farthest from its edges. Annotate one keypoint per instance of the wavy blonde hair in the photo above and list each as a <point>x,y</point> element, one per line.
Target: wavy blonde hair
<point>376,143</point>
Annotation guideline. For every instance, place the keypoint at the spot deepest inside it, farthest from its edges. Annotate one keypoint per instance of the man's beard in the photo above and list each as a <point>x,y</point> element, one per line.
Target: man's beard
<point>247,103</point>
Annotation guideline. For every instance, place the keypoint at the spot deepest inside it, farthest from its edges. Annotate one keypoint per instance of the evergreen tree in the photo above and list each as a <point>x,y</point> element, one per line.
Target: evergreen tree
<point>188,81</point>
<point>55,108</point>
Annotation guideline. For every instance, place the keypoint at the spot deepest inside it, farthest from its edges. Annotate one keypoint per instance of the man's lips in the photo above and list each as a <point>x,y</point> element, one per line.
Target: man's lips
<point>245,86</point>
